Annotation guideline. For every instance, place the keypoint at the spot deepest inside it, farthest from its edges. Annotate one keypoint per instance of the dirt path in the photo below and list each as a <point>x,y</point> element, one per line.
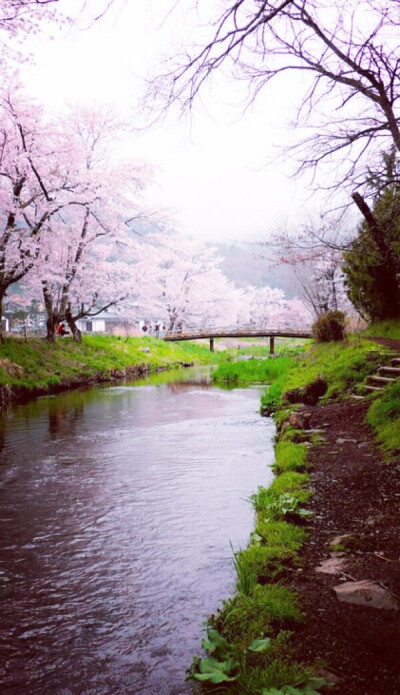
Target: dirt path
<point>391,343</point>
<point>355,492</point>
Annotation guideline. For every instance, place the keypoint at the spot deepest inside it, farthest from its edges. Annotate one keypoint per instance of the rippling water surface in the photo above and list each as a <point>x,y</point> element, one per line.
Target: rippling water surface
<point>118,506</point>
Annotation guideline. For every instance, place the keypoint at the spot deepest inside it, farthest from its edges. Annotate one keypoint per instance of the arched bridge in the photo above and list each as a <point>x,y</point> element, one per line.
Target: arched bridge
<point>270,332</point>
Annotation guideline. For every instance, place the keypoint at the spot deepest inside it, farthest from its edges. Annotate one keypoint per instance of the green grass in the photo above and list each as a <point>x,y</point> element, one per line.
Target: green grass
<point>244,619</point>
<point>35,363</point>
<point>384,329</point>
<point>283,346</point>
<point>341,365</point>
<point>384,417</point>
<point>266,562</point>
<point>290,457</point>
<point>252,371</point>
<point>281,534</point>
<point>276,673</point>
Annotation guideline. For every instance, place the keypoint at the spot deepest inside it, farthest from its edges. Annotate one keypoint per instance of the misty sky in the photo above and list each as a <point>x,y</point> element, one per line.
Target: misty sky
<point>214,169</point>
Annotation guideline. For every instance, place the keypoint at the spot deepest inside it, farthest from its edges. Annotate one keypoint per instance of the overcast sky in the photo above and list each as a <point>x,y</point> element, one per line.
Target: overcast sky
<point>211,169</point>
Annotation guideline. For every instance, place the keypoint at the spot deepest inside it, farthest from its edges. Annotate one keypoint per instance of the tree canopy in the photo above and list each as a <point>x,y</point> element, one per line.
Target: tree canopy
<point>347,57</point>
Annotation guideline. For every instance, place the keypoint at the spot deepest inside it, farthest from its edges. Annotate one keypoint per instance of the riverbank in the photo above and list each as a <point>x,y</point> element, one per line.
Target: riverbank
<point>340,490</point>
<point>35,367</point>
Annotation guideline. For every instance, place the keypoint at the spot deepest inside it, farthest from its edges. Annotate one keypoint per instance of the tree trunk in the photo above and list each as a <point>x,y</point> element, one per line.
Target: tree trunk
<point>385,273</point>
<point>2,295</point>
<point>51,329</point>
<point>385,249</point>
<point>76,333</point>
<point>52,317</point>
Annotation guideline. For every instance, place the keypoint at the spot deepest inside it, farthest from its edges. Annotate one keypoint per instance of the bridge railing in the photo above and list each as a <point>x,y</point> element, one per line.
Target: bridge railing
<point>233,331</point>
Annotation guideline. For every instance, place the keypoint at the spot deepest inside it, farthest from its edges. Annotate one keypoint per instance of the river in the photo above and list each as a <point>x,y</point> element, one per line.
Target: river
<point>118,507</point>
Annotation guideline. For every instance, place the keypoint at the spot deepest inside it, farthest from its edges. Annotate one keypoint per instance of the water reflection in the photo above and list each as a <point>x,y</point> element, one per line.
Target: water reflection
<point>117,508</point>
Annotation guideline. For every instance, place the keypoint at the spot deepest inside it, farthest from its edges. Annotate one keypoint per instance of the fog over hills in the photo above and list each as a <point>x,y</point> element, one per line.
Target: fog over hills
<point>244,265</point>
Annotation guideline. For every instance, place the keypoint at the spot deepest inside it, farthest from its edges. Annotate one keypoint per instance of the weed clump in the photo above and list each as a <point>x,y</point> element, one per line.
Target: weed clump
<point>330,327</point>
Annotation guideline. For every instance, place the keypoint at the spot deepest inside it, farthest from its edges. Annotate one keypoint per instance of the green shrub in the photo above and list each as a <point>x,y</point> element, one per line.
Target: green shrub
<point>329,327</point>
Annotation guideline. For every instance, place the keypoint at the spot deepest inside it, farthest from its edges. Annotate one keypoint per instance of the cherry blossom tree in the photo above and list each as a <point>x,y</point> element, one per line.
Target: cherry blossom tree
<point>269,307</point>
<point>265,303</point>
<point>103,278</point>
<point>33,187</point>
<point>20,19</point>
<point>218,301</point>
<point>179,276</point>
<point>314,251</point>
<point>77,266</point>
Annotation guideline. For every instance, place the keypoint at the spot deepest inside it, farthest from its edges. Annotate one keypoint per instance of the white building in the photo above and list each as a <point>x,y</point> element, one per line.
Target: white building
<point>98,323</point>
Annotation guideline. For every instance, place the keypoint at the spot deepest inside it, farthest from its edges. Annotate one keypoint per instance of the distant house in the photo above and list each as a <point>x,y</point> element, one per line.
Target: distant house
<point>103,322</point>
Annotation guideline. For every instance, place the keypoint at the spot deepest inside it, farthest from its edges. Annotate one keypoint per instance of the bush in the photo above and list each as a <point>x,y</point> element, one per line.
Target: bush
<point>329,327</point>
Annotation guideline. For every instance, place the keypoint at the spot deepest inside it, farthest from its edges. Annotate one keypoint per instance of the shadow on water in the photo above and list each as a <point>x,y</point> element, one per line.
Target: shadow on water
<point>118,506</point>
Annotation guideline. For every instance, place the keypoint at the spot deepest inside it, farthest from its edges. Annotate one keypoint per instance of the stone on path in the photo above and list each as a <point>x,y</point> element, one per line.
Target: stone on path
<point>333,565</point>
<point>338,540</point>
<point>366,593</point>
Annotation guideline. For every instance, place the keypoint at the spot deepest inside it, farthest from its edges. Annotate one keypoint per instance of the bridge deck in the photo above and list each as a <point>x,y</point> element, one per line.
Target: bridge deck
<point>267,332</point>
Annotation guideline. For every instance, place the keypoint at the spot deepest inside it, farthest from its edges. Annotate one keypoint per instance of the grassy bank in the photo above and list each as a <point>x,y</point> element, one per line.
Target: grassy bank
<point>338,367</point>
<point>36,365</point>
<point>384,418</point>
<point>250,648</point>
<point>335,370</point>
<point>252,371</point>
<point>384,329</point>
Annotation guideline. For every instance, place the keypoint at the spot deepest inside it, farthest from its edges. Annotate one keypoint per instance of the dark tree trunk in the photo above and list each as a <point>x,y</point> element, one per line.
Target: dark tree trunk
<point>76,333</point>
<point>53,317</point>
<point>2,295</point>
<point>385,248</point>
<point>51,325</point>
<point>385,273</point>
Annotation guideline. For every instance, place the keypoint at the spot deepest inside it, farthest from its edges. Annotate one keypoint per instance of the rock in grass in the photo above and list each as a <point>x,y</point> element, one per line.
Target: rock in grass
<point>366,593</point>
<point>300,421</point>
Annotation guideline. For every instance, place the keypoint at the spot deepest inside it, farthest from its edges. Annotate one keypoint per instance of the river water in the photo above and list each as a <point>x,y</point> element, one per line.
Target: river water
<point>118,506</point>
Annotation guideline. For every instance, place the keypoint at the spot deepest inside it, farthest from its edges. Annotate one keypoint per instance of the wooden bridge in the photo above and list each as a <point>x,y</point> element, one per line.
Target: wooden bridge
<point>270,332</point>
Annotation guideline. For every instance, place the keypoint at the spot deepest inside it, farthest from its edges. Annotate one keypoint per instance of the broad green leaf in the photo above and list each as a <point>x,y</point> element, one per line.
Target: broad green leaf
<point>259,645</point>
<point>215,671</point>
<point>256,539</point>
<point>316,683</point>
<point>215,643</point>
<point>305,512</point>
